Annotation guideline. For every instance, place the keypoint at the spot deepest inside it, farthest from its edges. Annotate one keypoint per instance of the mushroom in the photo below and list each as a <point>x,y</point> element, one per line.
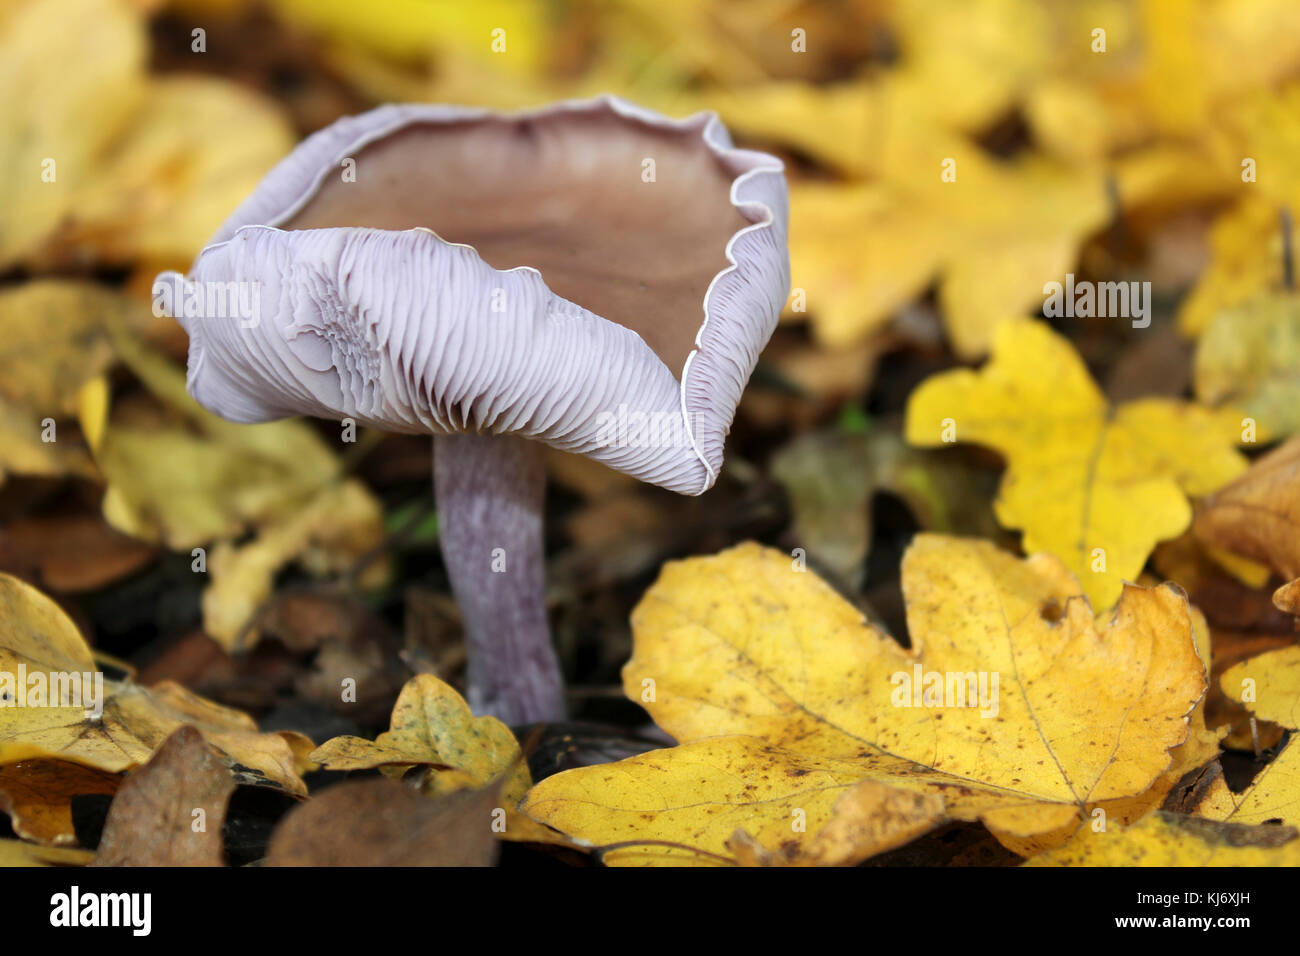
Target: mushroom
<point>590,275</point>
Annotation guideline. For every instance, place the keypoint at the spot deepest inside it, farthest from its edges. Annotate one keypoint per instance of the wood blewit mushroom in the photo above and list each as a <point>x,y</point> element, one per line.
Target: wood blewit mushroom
<point>591,275</point>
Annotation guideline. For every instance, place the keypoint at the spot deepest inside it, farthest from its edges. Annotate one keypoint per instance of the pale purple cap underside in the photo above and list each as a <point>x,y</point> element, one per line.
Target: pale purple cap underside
<point>393,330</point>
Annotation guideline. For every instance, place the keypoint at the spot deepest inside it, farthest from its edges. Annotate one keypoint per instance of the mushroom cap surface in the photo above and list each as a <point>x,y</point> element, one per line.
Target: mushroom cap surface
<point>452,285</point>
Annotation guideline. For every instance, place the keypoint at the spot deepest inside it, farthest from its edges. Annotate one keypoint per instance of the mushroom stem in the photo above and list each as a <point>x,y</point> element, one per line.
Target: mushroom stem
<point>490,491</point>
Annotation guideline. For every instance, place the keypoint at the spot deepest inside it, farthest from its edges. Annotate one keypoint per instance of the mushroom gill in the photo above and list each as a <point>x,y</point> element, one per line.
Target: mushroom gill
<point>566,196</point>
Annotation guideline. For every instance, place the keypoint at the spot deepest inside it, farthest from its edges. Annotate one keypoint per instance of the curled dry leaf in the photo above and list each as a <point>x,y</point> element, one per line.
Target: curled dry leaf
<point>38,795</point>
<point>866,819</point>
<point>1258,515</point>
<point>1287,597</point>
<point>170,811</point>
<point>785,698</point>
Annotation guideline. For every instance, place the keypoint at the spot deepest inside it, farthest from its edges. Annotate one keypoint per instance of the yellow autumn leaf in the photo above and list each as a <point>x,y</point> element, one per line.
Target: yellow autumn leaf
<point>162,191</point>
<point>1249,356</point>
<point>1246,260</point>
<point>784,698</point>
<point>334,529</point>
<point>1094,485</point>
<point>187,482</point>
<point>1257,151</point>
<point>1257,516</point>
<point>991,236</point>
<point>412,29</point>
<point>55,121</point>
<point>56,341</point>
<point>1169,839</point>
<point>36,637</point>
<point>867,818</point>
<point>432,725</point>
<point>103,162</point>
<point>1269,685</point>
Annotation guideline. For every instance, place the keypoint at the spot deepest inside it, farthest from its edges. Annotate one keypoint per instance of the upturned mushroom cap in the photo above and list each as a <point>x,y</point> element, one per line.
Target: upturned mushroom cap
<point>591,275</point>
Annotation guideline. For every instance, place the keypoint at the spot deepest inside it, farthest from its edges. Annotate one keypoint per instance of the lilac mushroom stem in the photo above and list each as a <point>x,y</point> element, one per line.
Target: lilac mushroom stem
<point>490,491</point>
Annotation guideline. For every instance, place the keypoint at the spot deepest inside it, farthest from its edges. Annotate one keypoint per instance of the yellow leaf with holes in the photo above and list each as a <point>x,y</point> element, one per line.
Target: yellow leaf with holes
<point>1096,486</point>
<point>1269,685</point>
<point>1014,706</point>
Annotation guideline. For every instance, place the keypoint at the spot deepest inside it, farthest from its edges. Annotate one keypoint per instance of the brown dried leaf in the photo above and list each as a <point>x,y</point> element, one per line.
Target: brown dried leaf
<point>170,811</point>
<point>382,822</point>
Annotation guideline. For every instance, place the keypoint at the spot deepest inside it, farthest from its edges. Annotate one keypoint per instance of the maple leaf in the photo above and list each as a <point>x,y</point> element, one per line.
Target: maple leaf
<point>784,699</point>
<point>1096,486</point>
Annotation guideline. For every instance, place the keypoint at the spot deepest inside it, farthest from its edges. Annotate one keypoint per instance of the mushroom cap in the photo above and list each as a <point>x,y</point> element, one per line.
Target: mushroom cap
<point>351,299</point>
